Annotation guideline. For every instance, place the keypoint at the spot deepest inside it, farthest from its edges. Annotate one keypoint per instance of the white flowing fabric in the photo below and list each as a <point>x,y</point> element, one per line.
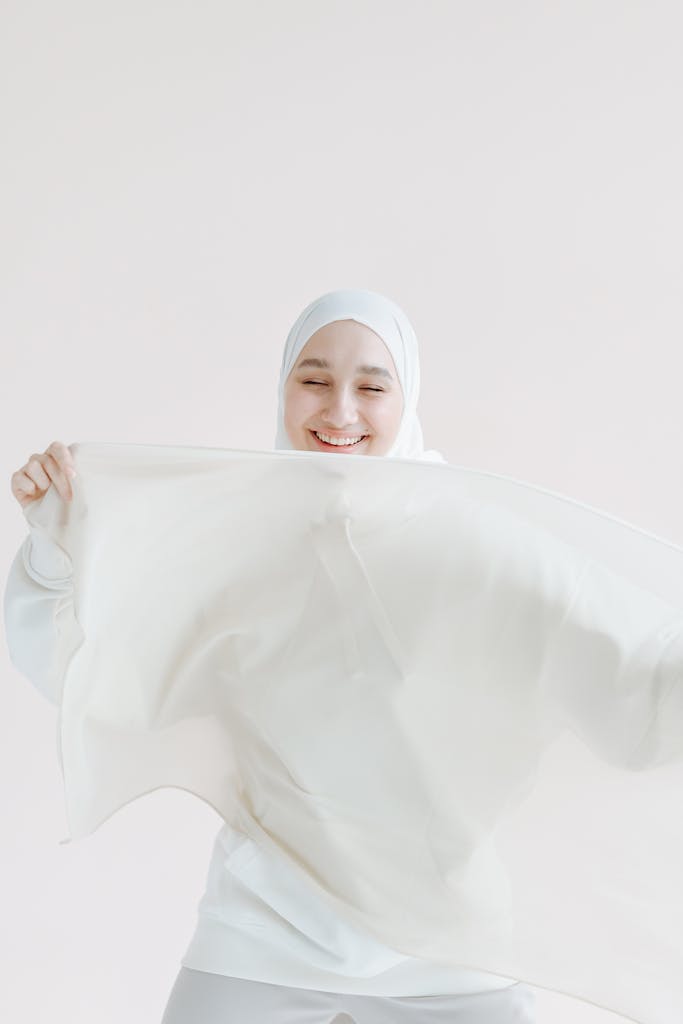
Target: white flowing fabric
<point>452,700</point>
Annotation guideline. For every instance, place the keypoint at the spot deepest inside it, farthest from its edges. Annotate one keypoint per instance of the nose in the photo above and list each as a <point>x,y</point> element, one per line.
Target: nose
<point>341,409</point>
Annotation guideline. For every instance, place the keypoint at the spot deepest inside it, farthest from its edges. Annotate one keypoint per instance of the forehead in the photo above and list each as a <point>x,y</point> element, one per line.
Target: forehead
<point>346,341</point>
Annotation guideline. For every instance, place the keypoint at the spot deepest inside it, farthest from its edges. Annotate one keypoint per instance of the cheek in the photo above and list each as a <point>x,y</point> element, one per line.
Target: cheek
<point>385,424</point>
<point>390,415</point>
<point>298,407</point>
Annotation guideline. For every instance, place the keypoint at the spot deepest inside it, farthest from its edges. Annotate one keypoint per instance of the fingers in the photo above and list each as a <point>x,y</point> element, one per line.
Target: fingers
<point>55,465</point>
<point>58,476</point>
<point>35,472</point>
<point>62,454</point>
<point>23,488</point>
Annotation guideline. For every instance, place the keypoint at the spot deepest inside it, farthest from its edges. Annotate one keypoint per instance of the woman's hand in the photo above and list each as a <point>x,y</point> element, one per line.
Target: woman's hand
<point>54,466</point>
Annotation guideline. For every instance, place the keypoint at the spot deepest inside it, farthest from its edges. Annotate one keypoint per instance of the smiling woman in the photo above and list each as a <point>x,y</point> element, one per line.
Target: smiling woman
<point>435,707</point>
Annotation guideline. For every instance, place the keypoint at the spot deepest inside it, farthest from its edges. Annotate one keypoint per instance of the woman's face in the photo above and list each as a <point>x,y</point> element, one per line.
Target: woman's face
<point>342,388</point>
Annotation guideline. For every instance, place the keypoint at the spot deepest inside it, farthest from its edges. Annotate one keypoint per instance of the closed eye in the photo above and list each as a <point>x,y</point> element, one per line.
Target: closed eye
<point>323,383</point>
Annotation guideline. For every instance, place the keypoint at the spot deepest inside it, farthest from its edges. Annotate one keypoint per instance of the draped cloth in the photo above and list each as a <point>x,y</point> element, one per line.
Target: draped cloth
<point>452,700</point>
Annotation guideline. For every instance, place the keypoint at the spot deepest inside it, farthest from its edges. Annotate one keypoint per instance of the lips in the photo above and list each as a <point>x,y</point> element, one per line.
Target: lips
<point>325,446</point>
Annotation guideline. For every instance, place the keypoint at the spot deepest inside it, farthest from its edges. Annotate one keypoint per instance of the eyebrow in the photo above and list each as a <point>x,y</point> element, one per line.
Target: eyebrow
<point>322,364</point>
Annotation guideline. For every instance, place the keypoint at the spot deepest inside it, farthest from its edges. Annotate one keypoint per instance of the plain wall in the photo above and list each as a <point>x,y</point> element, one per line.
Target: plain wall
<point>179,180</point>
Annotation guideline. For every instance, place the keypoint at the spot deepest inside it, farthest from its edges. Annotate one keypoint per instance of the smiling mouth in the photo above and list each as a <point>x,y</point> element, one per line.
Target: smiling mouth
<point>343,443</point>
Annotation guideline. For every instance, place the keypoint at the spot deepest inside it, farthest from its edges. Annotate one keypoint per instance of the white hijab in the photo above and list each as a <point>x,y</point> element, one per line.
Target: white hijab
<point>388,321</point>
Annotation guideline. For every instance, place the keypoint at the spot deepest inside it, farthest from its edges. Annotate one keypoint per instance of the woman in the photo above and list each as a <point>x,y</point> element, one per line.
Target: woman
<point>349,384</point>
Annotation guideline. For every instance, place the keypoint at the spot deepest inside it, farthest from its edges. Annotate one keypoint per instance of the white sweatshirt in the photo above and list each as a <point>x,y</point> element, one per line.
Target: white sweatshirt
<point>256,919</point>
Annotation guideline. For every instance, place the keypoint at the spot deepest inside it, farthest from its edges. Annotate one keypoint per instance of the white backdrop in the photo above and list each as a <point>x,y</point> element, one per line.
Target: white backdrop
<point>179,180</point>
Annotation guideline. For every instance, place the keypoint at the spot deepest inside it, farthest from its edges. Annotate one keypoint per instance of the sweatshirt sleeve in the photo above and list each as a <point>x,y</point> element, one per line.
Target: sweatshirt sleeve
<point>38,602</point>
<point>617,668</point>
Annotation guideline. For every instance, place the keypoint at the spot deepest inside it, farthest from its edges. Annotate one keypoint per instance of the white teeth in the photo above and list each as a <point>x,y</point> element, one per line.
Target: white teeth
<point>338,440</point>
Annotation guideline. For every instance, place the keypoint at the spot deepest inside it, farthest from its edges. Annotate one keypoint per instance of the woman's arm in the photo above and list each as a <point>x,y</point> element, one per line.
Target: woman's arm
<point>38,597</point>
<point>39,590</point>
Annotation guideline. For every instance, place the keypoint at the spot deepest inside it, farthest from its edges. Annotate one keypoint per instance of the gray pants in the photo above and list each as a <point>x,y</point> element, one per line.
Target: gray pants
<point>199,997</point>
